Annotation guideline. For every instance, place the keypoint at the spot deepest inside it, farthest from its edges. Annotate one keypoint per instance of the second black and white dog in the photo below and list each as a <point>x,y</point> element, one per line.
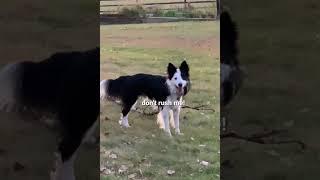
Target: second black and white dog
<point>166,91</point>
<point>64,85</point>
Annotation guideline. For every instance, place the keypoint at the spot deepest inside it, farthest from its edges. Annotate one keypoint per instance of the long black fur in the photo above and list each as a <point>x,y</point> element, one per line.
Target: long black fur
<point>229,38</point>
<point>65,84</point>
<point>129,88</point>
<point>229,57</point>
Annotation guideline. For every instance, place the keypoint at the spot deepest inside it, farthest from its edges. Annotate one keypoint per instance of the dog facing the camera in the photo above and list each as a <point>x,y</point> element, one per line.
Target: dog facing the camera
<point>167,92</point>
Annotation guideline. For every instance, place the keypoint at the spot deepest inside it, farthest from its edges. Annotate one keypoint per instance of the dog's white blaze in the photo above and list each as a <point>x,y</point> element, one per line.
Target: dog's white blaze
<point>177,79</point>
<point>9,79</point>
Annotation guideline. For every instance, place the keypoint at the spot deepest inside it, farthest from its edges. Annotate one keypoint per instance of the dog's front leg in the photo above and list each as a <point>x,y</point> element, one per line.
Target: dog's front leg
<point>165,117</point>
<point>176,116</point>
<point>124,121</point>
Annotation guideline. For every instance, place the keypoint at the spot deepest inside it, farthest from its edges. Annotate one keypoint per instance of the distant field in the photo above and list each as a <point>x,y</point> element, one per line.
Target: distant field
<point>45,24</point>
<point>143,148</point>
<point>123,3</point>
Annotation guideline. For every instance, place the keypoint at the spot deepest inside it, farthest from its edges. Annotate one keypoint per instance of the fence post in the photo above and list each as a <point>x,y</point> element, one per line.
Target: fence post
<point>218,8</point>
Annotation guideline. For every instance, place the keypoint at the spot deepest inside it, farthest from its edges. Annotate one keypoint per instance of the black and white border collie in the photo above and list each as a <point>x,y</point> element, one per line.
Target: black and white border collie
<point>66,86</point>
<point>166,91</point>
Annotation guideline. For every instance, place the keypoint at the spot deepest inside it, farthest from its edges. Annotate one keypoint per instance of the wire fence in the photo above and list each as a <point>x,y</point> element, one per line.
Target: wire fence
<point>114,6</point>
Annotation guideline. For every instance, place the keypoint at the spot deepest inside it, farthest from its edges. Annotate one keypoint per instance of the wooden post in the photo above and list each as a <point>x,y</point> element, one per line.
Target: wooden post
<point>218,8</point>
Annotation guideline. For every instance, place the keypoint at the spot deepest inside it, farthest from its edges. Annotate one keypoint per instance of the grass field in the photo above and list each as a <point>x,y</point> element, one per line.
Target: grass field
<point>144,149</point>
<point>280,50</point>
<point>47,28</point>
<point>33,30</point>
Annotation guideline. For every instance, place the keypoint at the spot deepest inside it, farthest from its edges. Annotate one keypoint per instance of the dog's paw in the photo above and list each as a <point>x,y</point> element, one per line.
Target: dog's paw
<point>123,124</point>
<point>53,175</point>
<point>168,133</point>
<point>177,131</point>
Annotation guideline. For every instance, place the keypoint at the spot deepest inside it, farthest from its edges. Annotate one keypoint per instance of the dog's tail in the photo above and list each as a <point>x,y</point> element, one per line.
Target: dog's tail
<point>229,37</point>
<point>104,84</point>
<point>231,74</point>
<point>110,89</point>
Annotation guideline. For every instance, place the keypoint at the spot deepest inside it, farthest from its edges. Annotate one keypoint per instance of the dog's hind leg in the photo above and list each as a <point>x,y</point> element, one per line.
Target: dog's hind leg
<point>127,104</point>
<point>76,128</point>
<point>64,162</point>
<point>67,151</point>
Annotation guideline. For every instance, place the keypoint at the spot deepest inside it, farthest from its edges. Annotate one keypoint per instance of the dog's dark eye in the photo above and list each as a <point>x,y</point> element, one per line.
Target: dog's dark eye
<point>175,78</point>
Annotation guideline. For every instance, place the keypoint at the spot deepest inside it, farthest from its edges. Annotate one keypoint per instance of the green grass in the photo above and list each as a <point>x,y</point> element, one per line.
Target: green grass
<point>279,47</point>
<point>144,146</point>
<point>193,30</point>
<point>35,29</point>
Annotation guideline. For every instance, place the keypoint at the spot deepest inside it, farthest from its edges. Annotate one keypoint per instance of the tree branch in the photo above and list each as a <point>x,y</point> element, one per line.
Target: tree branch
<point>200,107</point>
<point>261,138</point>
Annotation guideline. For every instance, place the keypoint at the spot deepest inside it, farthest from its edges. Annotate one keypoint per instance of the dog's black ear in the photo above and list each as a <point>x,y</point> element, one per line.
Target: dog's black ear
<point>184,68</point>
<point>171,69</point>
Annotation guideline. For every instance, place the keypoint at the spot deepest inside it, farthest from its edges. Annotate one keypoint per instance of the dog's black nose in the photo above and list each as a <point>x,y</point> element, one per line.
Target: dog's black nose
<point>180,84</point>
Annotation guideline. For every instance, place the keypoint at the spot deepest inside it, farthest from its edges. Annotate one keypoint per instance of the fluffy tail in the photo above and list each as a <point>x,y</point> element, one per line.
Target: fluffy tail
<point>231,75</point>
<point>110,89</point>
<point>104,90</point>
<point>229,37</point>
